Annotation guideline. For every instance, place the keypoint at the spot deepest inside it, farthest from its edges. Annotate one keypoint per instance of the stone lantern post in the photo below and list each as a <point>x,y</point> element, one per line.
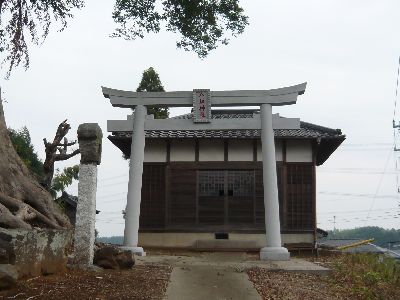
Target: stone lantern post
<point>89,138</point>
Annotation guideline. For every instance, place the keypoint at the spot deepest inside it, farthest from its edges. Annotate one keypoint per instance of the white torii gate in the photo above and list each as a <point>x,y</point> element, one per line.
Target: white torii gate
<point>202,100</point>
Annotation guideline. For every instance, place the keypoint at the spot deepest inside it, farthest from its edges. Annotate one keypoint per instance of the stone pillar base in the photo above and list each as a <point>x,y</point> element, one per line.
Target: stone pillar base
<point>274,253</point>
<point>136,250</point>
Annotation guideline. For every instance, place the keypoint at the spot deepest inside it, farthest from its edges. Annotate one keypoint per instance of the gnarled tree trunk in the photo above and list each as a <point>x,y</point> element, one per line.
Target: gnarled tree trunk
<point>24,203</point>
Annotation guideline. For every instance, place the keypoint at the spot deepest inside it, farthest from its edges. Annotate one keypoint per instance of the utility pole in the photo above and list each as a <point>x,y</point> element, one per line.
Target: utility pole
<point>334,225</point>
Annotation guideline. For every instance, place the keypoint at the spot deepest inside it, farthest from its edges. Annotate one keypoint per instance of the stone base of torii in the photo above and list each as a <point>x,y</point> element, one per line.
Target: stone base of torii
<point>266,99</point>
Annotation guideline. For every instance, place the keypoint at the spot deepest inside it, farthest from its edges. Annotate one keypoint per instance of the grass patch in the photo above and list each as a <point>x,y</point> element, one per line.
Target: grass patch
<point>367,276</point>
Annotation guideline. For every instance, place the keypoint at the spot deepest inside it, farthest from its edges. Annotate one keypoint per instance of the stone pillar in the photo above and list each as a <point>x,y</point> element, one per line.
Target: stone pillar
<point>89,138</point>
<point>131,233</point>
<point>274,249</point>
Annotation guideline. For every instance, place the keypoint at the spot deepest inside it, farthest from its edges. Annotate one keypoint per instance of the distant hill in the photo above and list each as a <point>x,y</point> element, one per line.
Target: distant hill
<point>382,236</point>
<point>116,240</point>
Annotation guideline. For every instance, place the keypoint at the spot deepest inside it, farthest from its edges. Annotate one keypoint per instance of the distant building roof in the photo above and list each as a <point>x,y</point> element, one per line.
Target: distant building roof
<point>366,248</point>
<point>70,200</point>
<point>321,233</point>
<point>328,139</point>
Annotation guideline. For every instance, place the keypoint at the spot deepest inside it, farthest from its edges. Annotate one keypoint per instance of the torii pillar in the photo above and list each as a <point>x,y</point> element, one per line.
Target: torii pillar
<point>132,211</point>
<point>274,249</point>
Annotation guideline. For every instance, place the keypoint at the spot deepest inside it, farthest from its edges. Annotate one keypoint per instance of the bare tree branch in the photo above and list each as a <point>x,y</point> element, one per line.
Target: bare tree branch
<point>67,144</point>
<point>51,152</point>
<point>62,156</point>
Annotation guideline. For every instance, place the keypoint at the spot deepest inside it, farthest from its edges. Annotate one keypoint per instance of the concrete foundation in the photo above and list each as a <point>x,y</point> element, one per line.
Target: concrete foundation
<point>237,261</point>
<point>207,240</point>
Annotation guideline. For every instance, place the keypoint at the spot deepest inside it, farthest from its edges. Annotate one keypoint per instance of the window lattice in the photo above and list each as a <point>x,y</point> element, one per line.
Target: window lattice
<point>241,183</point>
<point>211,183</point>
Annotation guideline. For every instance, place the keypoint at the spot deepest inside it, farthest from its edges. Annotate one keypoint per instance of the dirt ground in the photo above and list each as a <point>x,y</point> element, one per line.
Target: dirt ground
<point>359,276</point>
<point>352,277</point>
<point>291,286</point>
<point>142,282</point>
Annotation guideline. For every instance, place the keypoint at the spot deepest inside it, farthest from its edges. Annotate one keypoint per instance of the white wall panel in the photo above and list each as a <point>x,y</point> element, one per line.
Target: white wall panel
<point>155,151</point>
<point>240,150</point>
<point>211,150</point>
<point>298,151</point>
<point>182,150</point>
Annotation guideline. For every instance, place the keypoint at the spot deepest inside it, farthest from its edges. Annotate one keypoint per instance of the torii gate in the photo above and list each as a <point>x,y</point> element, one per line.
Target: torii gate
<point>201,101</point>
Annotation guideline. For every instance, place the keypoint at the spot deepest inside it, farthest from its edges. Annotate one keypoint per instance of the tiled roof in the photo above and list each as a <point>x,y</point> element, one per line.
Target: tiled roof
<point>307,130</point>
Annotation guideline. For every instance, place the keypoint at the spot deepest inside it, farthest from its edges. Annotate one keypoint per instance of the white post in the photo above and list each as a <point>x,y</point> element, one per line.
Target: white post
<point>135,182</point>
<point>274,249</point>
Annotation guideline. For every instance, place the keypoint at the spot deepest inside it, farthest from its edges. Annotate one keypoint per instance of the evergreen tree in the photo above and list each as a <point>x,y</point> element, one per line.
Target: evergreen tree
<point>380,235</point>
<point>151,83</point>
<point>64,179</point>
<point>21,141</point>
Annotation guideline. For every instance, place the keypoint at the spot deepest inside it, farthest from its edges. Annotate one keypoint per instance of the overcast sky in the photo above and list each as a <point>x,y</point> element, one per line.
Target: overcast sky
<point>347,51</point>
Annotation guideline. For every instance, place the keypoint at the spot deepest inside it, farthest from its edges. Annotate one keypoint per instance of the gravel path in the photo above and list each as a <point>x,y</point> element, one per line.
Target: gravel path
<point>210,282</point>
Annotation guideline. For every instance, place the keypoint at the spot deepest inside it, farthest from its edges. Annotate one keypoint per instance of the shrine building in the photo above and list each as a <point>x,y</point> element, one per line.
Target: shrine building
<point>202,184</point>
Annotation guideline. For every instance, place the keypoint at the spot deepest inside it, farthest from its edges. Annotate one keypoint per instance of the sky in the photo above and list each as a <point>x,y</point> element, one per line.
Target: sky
<point>347,52</point>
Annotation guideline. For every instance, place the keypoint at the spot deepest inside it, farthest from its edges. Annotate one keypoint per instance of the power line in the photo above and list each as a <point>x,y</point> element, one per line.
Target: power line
<point>111,195</point>
<point>388,210</point>
<point>364,149</point>
<point>365,144</point>
<point>113,184</point>
<point>396,129</point>
<point>397,87</point>
<point>385,214</point>
<point>356,168</point>
<point>355,195</point>
<point>111,219</point>
<point>384,217</point>
<point>379,184</point>
<point>114,177</point>
<point>107,222</point>
<point>344,171</point>
<point>109,201</point>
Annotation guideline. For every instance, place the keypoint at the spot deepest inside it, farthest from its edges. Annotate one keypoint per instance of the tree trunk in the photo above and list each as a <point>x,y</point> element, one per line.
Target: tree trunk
<point>51,153</point>
<point>24,203</point>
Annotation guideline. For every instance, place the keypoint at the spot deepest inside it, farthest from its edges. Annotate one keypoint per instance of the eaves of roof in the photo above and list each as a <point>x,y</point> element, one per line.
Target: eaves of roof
<point>327,139</point>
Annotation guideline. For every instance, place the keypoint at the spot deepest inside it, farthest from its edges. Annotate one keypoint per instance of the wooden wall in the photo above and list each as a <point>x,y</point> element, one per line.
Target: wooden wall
<point>224,196</point>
